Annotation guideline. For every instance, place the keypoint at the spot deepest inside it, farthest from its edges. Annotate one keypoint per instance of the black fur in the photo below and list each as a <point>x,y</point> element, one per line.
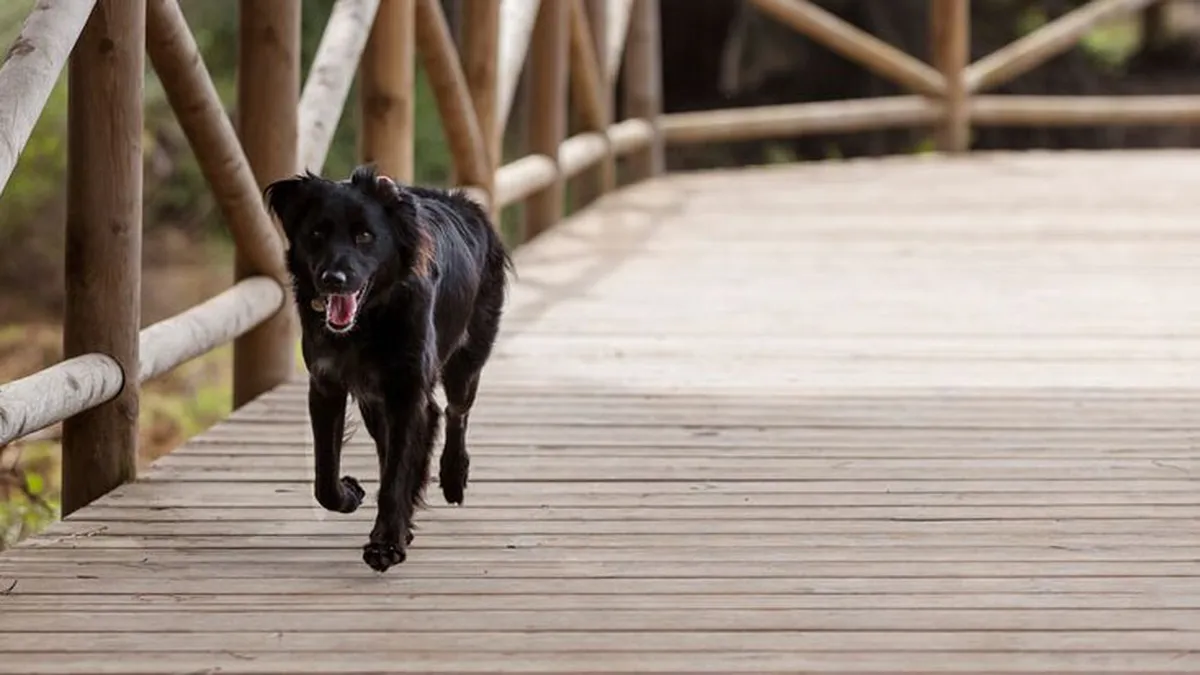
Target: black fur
<point>431,271</point>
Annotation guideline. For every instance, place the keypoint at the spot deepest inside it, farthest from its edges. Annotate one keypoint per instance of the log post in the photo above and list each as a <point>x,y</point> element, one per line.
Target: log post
<point>643,86</point>
<point>951,33</point>
<point>386,94</point>
<point>602,178</point>
<point>480,52</point>
<point>268,92</point>
<point>104,241</point>
<point>548,68</point>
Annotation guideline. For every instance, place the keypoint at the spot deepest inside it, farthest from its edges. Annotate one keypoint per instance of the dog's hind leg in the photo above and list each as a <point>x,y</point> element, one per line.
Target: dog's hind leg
<point>420,456</point>
<point>460,380</point>
<point>327,410</point>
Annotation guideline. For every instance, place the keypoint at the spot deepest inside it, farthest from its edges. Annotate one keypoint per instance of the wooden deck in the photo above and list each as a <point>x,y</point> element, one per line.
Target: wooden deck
<point>891,416</point>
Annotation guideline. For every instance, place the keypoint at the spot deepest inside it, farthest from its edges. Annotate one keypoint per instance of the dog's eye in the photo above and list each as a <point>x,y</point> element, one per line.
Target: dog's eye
<point>363,238</point>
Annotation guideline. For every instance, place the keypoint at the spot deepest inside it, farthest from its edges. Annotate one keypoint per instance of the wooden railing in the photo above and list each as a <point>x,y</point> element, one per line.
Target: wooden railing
<point>575,48</point>
<point>947,95</point>
<point>568,49</point>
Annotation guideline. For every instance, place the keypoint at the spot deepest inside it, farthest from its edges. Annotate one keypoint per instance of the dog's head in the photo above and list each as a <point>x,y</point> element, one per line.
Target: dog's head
<point>344,237</point>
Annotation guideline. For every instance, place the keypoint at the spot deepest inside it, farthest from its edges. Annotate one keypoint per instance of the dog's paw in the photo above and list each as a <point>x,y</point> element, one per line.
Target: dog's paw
<point>453,478</point>
<point>352,494</point>
<point>408,538</point>
<point>453,492</point>
<point>379,556</point>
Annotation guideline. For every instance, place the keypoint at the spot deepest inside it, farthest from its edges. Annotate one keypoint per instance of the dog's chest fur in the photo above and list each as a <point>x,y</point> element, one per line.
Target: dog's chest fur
<point>353,368</point>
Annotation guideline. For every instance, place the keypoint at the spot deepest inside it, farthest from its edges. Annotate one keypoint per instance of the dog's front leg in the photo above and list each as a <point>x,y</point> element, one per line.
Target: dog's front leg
<point>405,438</point>
<point>327,410</point>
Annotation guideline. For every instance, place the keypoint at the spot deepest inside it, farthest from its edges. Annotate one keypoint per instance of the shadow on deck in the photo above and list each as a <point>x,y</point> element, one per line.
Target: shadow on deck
<point>897,415</point>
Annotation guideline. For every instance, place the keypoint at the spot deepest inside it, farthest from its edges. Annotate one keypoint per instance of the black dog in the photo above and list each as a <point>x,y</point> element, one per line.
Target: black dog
<point>397,287</point>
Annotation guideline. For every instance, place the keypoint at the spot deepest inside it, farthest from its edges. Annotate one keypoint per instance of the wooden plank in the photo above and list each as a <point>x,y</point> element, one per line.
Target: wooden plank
<point>830,589</point>
<point>263,643</point>
<point>432,621</point>
<point>496,512</point>
<point>167,602</point>
<point>102,663</point>
<point>83,534</point>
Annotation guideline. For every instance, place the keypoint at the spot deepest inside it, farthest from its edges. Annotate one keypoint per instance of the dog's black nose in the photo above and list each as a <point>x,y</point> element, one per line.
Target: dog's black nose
<point>333,279</point>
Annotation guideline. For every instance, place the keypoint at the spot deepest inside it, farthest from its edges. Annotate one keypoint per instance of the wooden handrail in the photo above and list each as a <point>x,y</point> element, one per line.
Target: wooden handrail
<point>587,79</point>
<point>479,52</point>
<point>1037,47</point>
<point>219,320</point>
<point>330,77</point>
<point>69,387</point>
<point>517,19</point>
<point>180,67</point>
<point>435,46</point>
<point>620,12</point>
<point>798,119</point>
<point>589,23</point>
<point>643,87</point>
<point>991,110</point>
<point>549,53</point>
<point>30,69</point>
<point>84,382</point>
<point>856,44</point>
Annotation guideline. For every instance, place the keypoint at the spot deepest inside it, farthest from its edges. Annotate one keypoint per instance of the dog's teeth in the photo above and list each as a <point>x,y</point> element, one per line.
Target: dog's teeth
<point>318,305</point>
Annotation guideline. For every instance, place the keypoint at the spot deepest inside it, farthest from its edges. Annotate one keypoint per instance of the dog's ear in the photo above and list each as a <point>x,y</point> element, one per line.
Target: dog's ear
<point>288,197</point>
<point>395,199</point>
<point>401,207</point>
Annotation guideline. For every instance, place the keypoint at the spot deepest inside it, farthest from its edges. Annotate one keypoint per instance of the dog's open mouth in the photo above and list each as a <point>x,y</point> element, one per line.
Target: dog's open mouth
<point>341,309</point>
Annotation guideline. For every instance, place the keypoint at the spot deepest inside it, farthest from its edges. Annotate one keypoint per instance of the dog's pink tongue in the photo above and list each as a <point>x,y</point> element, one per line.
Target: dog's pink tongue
<point>340,309</point>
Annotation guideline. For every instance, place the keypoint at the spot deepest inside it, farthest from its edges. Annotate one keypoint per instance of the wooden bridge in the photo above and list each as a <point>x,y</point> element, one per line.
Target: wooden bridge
<point>924,414</point>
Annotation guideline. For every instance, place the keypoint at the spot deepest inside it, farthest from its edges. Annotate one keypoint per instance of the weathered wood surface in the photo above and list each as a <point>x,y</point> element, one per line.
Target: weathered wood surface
<point>896,416</point>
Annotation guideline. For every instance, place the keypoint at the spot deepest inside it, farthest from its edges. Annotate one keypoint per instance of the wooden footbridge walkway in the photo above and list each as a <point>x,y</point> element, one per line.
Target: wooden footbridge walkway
<point>925,414</point>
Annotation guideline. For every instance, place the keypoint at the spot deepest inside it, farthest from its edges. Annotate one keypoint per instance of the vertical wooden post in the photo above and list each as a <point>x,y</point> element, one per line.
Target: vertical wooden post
<point>548,64</point>
<point>480,54</point>
<point>643,85</point>
<point>951,33</point>
<point>268,92</point>
<point>386,89</point>
<point>602,178</point>
<point>1152,28</point>
<point>104,241</point>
